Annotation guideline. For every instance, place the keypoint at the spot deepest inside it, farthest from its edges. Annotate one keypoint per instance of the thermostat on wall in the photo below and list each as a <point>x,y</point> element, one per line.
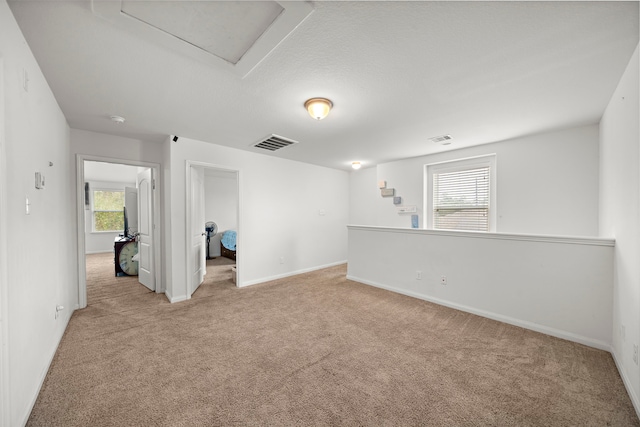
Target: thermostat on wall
<point>387,192</point>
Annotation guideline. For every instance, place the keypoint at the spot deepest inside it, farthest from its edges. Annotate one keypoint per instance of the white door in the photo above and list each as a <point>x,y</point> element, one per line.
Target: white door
<point>197,232</point>
<point>145,229</point>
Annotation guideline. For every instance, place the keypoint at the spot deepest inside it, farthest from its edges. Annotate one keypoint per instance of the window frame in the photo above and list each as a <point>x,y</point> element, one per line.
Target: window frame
<point>488,160</point>
<point>94,210</point>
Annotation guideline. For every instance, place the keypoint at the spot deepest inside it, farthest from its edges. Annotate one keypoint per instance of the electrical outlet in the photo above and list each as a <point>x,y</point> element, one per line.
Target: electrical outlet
<point>443,280</point>
<point>418,275</point>
<point>635,354</point>
<point>281,260</point>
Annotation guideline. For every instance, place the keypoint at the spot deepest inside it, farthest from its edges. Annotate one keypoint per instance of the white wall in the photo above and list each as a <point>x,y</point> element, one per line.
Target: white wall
<point>220,206</point>
<point>620,217</point>
<point>115,147</point>
<point>558,286</point>
<point>546,184</point>
<point>98,242</point>
<point>281,202</point>
<point>363,196</point>
<point>40,266</point>
<point>167,223</point>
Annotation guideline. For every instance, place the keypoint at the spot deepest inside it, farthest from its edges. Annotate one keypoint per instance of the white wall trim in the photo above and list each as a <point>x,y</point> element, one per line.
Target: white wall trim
<point>627,382</point>
<point>175,299</point>
<point>289,274</point>
<point>489,315</point>
<point>5,395</point>
<point>80,220</point>
<point>594,241</point>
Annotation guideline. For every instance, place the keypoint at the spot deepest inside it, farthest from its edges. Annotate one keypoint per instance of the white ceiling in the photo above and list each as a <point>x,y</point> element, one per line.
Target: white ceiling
<point>397,72</point>
<point>208,25</point>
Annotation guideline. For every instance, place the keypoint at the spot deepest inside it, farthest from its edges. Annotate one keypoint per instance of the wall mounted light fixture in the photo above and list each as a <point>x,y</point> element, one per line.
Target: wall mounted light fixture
<point>318,108</point>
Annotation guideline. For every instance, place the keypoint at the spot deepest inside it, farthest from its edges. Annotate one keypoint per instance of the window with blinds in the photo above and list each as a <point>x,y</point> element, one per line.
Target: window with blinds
<point>461,199</point>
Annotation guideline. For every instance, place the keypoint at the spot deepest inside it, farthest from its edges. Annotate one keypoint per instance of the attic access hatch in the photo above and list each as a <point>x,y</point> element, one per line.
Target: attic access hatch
<point>237,34</point>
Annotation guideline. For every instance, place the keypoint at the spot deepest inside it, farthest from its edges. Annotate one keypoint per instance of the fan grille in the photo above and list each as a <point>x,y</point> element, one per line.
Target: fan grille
<point>211,228</point>
<point>274,142</point>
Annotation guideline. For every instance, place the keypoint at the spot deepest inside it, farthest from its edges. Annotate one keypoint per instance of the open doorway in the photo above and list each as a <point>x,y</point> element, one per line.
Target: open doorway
<point>118,242</point>
<point>213,214</point>
<point>221,225</point>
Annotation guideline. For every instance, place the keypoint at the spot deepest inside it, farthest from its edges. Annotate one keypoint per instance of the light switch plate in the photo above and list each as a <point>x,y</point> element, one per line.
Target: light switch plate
<point>39,181</point>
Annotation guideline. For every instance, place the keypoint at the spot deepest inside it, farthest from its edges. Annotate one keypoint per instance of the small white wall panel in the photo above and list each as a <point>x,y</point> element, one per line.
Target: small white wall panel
<point>559,286</point>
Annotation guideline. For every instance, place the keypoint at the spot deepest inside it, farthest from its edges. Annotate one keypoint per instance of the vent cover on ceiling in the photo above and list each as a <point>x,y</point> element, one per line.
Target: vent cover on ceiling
<point>444,139</point>
<point>274,142</point>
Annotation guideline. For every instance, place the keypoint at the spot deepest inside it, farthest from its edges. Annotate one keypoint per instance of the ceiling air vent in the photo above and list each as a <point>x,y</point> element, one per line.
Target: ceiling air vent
<point>444,139</point>
<point>274,142</point>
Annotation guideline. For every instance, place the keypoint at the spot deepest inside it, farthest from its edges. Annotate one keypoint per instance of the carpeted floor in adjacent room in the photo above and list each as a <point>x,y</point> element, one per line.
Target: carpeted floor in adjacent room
<point>313,350</point>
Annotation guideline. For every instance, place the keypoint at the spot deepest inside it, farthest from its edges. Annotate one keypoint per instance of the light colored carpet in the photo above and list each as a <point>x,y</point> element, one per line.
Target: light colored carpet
<point>315,349</point>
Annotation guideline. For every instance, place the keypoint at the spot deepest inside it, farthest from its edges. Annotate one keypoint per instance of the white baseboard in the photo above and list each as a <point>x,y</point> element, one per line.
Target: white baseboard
<point>289,274</point>
<point>181,298</point>
<point>494,316</point>
<point>43,374</point>
<point>627,383</point>
<point>173,299</point>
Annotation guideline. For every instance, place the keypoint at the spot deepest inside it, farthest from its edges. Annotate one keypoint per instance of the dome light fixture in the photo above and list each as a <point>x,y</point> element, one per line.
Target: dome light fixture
<point>356,165</point>
<point>318,108</point>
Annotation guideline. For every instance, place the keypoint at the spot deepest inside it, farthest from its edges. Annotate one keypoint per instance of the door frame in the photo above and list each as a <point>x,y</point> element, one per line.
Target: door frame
<point>5,395</point>
<point>188,256</point>
<point>80,214</point>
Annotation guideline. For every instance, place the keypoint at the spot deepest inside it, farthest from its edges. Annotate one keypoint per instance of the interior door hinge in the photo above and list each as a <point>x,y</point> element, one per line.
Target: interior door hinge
<point>153,181</point>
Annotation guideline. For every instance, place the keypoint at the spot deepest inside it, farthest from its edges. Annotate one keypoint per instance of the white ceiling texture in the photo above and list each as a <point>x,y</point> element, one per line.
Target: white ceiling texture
<point>397,72</point>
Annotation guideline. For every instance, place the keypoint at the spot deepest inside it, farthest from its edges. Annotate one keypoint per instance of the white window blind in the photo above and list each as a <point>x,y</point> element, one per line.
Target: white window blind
<point>461,199</point>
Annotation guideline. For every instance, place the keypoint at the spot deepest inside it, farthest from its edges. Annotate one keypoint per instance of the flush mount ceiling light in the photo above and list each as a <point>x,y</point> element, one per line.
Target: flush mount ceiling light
<point>356,165</point>
<point>117,119</point>
<point>318,108</point>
